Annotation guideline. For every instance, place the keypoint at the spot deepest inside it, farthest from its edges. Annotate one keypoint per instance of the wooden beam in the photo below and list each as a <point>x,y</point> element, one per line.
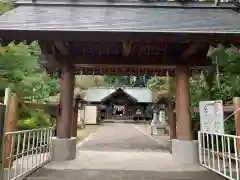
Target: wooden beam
<point>130,69</point>
<point>177,37</point>
<point>125,66</point>
<point>40,106</point>
<point>124,71</point>
<point>142,61</point>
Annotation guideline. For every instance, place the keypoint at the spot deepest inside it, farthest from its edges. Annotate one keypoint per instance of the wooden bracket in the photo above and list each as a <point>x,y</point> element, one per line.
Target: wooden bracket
<point>126,48</point>
<point>61,47</point>
<point>193,48</point>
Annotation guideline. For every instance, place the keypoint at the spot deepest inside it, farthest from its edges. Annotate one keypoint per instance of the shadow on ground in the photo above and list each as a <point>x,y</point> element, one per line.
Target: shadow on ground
<point>46,174</point>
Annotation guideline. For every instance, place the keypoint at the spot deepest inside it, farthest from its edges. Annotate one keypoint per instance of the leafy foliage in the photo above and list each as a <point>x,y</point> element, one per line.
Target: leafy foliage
<point>226,83</point>
<point>34,119</point>
<point>5,5</point>
<point>158,83</point>
<point>134,81</point>
<point>19,69</point>
<point>219,82</point>
<point>84,82</point>
<point>224,79</point>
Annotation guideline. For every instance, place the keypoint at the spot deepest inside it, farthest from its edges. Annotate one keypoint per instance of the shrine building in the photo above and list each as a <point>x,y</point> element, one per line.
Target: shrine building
<point>125,103</point>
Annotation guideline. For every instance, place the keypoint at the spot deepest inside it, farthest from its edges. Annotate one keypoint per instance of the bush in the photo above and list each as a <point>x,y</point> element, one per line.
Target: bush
<point>34,119</point>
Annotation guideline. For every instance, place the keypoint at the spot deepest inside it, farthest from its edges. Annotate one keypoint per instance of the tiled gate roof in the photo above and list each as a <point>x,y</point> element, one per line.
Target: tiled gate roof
<point>71,18</point>
<point>48,16</point>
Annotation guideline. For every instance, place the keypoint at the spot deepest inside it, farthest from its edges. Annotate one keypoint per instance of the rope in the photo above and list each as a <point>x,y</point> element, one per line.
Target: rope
<point>232,114</point>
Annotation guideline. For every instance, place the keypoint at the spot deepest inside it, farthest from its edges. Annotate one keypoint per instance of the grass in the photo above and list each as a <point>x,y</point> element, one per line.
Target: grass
<point>83,133</point>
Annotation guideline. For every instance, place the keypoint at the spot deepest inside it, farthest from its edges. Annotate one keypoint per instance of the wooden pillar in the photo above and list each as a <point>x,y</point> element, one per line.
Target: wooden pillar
<point>11,125</point>
<point>171,114</point>
<point>184,123</point>
<point>75,119</point>
<point>64,124</point>
<point>236,101</point>
<point>172,122</point>
<point>58,119</point>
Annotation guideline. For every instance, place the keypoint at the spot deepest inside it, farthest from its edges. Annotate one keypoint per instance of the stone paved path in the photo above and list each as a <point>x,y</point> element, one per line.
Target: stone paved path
<point>121,152</point>
<point>120,137</point>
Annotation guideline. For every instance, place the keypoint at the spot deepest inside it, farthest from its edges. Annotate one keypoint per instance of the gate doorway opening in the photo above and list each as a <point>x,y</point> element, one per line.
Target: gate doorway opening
<point>120,110</point>
<point>125,38</point>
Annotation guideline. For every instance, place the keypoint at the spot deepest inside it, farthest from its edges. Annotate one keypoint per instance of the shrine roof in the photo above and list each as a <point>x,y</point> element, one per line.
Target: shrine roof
<point>142,95</point>
<point>78,17</point>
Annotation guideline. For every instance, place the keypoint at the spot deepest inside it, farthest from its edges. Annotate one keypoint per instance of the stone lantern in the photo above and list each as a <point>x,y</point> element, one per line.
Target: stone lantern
<point>160,115</point>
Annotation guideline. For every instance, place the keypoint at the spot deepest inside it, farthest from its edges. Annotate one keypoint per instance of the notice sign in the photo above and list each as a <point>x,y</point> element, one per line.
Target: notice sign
<point>211,117</point>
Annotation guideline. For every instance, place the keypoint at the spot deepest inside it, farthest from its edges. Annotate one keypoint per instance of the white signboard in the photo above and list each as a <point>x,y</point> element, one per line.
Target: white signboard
<point>211,116</point>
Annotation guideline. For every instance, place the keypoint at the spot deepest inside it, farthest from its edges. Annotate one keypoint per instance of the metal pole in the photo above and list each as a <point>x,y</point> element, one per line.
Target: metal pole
<point>2,135</point>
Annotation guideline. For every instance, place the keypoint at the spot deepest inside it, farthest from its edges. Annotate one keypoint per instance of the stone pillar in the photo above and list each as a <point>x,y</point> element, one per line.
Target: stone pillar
<point>236,101</point>
<point>64,145</point>
<point>184,148</point>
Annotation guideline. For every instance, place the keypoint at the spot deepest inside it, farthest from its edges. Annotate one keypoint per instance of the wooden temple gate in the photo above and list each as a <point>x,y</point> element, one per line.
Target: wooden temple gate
<point>122,38</point>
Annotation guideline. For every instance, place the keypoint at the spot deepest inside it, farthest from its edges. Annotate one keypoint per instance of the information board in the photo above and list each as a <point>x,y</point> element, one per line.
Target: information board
<point>212,116</point>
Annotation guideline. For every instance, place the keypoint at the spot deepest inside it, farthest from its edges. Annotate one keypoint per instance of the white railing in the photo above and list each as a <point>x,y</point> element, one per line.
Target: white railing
<point>25,151</point>
<point>220,153</point>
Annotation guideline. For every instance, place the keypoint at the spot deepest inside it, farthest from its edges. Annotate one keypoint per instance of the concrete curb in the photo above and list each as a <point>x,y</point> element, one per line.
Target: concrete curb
<point>89,137</point>
<point>146,134</point>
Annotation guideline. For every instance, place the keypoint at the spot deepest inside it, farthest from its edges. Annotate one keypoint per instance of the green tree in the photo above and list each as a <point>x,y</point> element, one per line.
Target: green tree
<point>220,82</point>
<point>5,5</point>
<point>226,82</point>
<point>118,80</point>
<point>19,70</point>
